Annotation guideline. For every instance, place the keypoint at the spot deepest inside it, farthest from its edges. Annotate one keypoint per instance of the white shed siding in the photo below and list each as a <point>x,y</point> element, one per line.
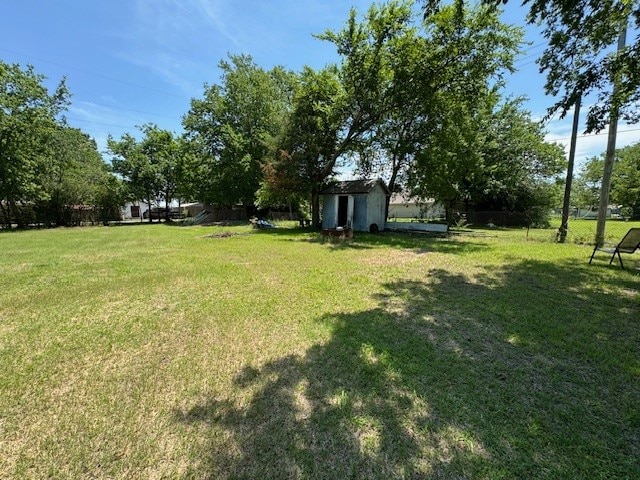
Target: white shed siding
<point>366,205</point>
<point>376,208</point>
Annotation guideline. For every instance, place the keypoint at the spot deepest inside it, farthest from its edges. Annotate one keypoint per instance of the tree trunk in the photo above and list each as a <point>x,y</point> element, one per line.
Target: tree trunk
<point>566,203</point>
<point>149,203</point>
<point>448,213</point>
<point>387,200</point>
<point>16,214</point>
<point>392,186</point>
<point>315,209</point>
<point>6,214</point>
<point>609,158</point>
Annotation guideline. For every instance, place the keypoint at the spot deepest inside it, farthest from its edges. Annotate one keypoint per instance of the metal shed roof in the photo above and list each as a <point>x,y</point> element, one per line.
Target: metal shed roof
<point>352,187</point>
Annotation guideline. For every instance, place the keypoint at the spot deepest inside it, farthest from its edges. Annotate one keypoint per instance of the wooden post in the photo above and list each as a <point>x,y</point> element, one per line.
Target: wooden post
<point>566,204</point>
<point>610,156</point>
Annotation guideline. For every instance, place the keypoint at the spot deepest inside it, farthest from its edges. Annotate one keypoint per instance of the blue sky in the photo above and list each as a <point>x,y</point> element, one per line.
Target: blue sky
<point>137,61</point>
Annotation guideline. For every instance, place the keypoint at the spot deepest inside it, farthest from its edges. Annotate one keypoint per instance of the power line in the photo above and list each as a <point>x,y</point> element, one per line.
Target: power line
<point>526,63</point>
<point>597,134</point>
<point>534,46</point>
<point>128,109</point>
<point>99,123</point>
<point>112,79</point>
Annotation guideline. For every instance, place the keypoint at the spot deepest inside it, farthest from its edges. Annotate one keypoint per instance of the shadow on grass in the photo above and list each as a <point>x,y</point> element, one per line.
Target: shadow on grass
<point>527,372</point>
<point>418,242</point>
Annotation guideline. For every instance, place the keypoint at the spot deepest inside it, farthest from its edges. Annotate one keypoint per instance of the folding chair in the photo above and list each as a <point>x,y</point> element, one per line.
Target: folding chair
<point>629,244</point>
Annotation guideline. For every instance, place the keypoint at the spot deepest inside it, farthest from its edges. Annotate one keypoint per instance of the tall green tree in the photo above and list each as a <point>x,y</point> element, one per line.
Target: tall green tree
<point>520,168</point>
<point>336,109</point>
<point>155,168</point>
<point>408,119</point>
<point>625,181</point>
<point>28,122</point>
<point>468,51</point>
<point>161,151</point>
<point>580,57</point>
<point>80,185</point>
<point>232,127</point>
<point>139,175</point>
<point>509,166</point>
<point>307,151</point>
<point>586,188</point>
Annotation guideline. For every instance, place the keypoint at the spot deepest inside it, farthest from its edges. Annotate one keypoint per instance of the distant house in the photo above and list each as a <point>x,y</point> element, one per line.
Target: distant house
<point>401,206</point>
<point>134,210</point>
<point>357,204</point>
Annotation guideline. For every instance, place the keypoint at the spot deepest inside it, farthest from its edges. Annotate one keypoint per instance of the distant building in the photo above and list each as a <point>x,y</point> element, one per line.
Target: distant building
<point>401,206</point>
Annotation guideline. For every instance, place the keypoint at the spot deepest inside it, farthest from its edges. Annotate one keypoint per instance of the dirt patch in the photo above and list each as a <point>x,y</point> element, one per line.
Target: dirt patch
<point>221,235</point>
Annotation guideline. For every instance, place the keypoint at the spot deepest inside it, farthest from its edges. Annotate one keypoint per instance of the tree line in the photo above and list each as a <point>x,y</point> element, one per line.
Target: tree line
<point>50,173</point>
<point>417,98</point>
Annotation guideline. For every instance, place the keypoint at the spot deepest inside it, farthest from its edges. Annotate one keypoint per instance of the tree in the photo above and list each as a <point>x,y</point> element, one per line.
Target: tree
<point>186,170</point>
<point>508,165</point>
<point>232,127</point>
<point>155,168</point>
<point>625,181</point>
<point>521,169</point>
<point>626,189</point>
<point>79,183</point>
<point>28,122</point>
<point>579,59</point>
<point>161,151</point>
<point>307,150</point>
<point>515,151</point>
<point>468,50</point>
<point>587,184</point>
<point>139,174</point>
<point>337,108</point>
<point>408,118</point>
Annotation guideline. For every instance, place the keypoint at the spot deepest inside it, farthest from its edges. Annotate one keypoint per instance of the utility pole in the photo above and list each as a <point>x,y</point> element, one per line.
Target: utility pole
<point>610,155</point>
<point>566,204</point>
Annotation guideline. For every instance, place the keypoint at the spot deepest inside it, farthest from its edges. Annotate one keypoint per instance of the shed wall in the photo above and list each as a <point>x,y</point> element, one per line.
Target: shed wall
<point>360,203</point>
<point>329,211</point>
<point>376,208</point>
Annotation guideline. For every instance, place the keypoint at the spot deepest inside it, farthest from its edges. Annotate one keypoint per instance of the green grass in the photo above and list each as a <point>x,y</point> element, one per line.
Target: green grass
<point>221,352</point>
<point>581,231</point>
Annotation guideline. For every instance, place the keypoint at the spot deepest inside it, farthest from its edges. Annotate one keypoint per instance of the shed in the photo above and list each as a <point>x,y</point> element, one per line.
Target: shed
<point>356,204</point>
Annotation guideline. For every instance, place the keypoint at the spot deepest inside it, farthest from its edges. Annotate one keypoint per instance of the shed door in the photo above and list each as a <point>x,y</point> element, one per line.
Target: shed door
<point>350,212</point>
<point>343,210</point>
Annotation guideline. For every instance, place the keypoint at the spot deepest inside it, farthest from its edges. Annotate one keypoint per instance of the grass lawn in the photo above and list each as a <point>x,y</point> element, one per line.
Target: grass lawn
<point>221,352</point>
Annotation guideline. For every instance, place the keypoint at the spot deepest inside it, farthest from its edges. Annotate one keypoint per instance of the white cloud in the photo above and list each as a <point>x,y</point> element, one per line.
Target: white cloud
<point>100,120</point>
<point>213,12</point>
<point>590,145</point>
<point>170,38</point>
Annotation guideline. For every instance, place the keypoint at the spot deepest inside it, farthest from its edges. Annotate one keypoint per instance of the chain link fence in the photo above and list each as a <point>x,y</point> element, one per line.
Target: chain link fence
<point>581,229</point>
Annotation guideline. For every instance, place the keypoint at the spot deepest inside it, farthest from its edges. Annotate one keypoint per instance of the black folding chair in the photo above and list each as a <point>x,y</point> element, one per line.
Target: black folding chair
<point>629,244</point>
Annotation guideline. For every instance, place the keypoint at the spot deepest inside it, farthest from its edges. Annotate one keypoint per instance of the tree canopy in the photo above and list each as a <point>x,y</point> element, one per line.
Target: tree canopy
<point>50,173</point>
<point>233,126</point>
<point>580,58</point>
<point>28,123</point>
<point>154,167</point>
<point>625,181</point>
